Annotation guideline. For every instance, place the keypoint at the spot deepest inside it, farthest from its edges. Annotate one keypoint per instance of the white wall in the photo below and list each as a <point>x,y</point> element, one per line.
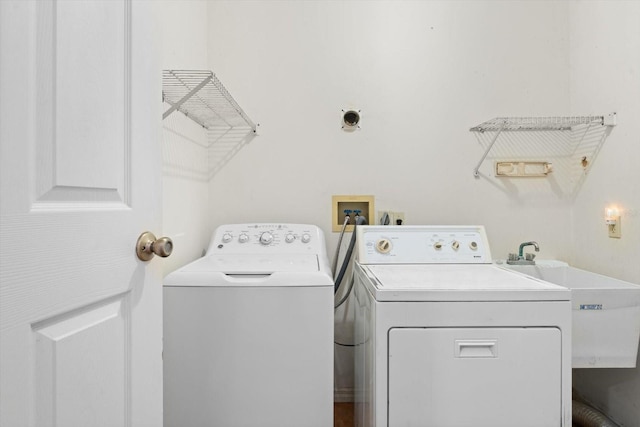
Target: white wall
<point>185,169</point>
<point>422,73</point>
<point>605,76</point>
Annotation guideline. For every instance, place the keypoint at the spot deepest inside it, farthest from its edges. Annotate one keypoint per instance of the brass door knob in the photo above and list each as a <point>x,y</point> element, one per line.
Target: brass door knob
<point>148,246</point>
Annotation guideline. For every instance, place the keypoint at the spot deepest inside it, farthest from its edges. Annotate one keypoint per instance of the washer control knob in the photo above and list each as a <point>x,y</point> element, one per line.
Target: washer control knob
<point>455,245</point>
<point>226,237</point>
<point>306,238</point>
<point>383,246</point>
<point>437,246</point>
<point>266,238</point>
<point>243,238</point>
<point>289,238</point>
<point>473,246</point>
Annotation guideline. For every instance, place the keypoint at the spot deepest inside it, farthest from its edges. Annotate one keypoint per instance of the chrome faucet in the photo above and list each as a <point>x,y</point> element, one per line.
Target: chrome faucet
<point>521,258</point>
<point>522,246</point>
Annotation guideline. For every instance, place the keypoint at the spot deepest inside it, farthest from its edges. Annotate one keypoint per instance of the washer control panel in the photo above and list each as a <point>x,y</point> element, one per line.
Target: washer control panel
<point>267,238</point>
<point>426,244</point>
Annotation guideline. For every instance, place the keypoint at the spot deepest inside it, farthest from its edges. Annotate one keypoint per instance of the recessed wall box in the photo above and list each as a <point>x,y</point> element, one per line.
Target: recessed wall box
<point>341,206</point>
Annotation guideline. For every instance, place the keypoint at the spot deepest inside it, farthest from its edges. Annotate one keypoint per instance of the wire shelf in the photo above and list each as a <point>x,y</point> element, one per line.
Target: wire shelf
<point>203,98</point>
<point>511,124</point>
<point>570,144</point>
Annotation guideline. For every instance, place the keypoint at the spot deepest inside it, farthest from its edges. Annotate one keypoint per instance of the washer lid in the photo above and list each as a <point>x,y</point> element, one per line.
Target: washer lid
<point>271,270</point>
<point>456,282</point>
<point>255,264</point>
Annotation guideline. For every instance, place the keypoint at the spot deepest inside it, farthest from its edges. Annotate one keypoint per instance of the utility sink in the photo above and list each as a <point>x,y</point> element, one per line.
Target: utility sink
<point>605,313</point>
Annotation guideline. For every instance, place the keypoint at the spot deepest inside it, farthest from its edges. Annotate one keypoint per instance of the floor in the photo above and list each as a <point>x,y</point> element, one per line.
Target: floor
<point>343,414</point>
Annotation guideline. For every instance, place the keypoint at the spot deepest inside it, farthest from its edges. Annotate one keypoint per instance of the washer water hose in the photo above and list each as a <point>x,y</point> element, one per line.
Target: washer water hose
<point>334,262</point>
<point>360,220</point>
<point>586,416</point>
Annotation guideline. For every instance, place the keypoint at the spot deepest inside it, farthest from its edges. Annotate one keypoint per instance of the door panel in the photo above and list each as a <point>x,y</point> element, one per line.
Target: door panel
<point>99,333</point>
<point>80,315</point>
<point>81,83</point>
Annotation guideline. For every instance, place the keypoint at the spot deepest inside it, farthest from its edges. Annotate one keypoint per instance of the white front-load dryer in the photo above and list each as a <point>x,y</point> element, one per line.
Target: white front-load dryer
<point>248,331</point>
<point>446,339</point>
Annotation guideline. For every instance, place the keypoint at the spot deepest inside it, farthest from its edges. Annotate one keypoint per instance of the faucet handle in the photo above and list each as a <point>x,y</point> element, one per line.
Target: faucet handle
<point>513,257</point>
<point>529,256</point>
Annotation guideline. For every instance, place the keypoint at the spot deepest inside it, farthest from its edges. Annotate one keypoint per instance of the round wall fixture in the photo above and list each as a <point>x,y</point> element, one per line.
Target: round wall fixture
<point>350,119</point>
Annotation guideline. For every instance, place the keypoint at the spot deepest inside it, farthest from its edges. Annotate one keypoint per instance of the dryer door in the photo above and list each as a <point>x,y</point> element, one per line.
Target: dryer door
<point>446,377</point>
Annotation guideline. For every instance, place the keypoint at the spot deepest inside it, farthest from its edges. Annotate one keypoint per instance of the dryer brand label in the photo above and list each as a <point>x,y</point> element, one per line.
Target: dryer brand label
<point>590,306</point>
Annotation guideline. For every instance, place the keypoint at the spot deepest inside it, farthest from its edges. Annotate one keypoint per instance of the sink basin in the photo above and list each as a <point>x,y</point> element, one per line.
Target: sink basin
<point>605,313</point>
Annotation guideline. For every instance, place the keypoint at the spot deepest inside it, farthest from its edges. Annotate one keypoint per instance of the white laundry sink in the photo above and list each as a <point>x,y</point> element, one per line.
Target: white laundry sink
<point>606,313</point>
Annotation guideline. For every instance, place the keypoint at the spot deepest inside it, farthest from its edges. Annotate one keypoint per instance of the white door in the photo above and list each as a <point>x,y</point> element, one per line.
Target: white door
<point>80,315</point>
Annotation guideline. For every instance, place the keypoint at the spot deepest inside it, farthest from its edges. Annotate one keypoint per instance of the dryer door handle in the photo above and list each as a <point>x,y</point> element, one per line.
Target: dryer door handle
<point>476,348</point>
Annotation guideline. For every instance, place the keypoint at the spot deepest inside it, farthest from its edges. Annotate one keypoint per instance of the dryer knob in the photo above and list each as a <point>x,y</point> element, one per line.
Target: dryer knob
<point>266,238</point>
<point>473,246</point>
<point>306,238</point>
<point>437,246</point>
<point>383,246</point>
<point>455,245</point>
<point>289,238</point>
<point>226,237</point>
<point>243,238</point>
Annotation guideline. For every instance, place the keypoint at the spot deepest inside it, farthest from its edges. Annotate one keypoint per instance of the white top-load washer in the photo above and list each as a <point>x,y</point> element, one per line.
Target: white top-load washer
<point>446,339</point>
<point>248,331</point>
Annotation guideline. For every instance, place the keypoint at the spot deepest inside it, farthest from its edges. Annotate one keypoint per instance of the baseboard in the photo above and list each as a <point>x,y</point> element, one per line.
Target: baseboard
<point>343,395</point>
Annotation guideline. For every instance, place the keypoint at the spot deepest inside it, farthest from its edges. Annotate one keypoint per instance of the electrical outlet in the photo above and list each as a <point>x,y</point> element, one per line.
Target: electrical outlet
<point>398,218</point>
<point>391,218</point>
<point>351,205</point>
<point>615,230</point>
<point>612,219</point>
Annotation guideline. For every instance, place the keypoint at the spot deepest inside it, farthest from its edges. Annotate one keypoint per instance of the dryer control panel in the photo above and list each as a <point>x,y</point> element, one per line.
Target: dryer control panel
<point>423,244</point>
<point>261,238</point>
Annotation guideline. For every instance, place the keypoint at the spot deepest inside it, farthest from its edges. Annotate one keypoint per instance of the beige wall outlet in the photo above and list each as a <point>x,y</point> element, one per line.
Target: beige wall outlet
<point>615,229</point>
<point>391,218</point>
<point>398,218</point>
<point>343,205</point>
